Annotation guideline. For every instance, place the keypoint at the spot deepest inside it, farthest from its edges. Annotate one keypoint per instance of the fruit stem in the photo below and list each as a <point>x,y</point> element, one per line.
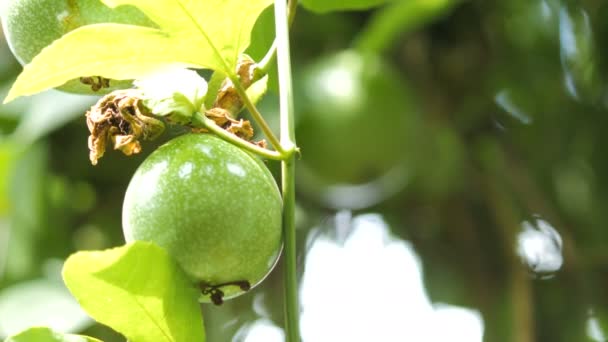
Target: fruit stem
<point>292,307</point>
<point>257,116</point>
<point>201,120</point>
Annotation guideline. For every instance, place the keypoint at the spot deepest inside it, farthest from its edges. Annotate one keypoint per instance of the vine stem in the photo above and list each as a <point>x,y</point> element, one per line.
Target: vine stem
<point>286,108</point>
<point>257,116</point>
<point>266,62</point>
<point>201,120</point>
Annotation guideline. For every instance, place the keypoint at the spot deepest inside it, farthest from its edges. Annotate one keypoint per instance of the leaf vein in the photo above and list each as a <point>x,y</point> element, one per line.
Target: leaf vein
<point>206,36</point>
<point>143,307</point>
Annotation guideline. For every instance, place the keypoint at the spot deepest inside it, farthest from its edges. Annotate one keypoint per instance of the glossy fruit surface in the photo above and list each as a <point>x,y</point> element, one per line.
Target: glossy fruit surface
<point>354,117</point>
<point>31,25</point>
<point>214,207</point>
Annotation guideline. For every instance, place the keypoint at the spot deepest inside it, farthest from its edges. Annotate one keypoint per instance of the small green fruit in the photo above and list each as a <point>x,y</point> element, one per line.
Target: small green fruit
<point>353,117</point>
<point>31,25</point>
<point>214,207</point>
<point>356,119</point>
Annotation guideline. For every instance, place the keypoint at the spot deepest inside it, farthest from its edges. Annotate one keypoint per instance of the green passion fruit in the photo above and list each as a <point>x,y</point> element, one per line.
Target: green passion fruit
<point>31,25</point>
<point>214,207</point>
<point>355,122</point>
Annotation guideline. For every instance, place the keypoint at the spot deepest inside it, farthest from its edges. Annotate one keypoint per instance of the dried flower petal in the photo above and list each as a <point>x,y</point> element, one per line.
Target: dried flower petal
<point>121,118</point>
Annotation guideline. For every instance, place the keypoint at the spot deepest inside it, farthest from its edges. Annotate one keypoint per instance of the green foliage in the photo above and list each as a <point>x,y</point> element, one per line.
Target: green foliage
<point>137,290</point>
<point>47,335</point>
<point>214,84</point>
<point>31,25</point>
<point>323,6</point>
<point>500,136</point>
<point>258,89</point>
<point>209,34</point>
<point>175,94</point>
<point>398,18</point>
<point>262,38</point>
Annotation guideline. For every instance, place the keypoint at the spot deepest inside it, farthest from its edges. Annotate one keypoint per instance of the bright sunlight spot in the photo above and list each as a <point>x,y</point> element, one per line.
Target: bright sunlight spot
<point>261,330</point>
<point>369,288</point>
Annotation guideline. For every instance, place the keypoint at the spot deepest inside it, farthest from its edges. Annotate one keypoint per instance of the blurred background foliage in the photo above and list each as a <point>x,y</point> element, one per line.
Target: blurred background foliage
<point>472,130</point>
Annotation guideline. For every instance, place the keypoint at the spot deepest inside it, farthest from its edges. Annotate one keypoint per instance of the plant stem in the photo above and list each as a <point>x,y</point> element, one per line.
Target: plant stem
<point>292,307</point>
<point>266,62</point>
<point>257,116</point>
<point>203,121</point>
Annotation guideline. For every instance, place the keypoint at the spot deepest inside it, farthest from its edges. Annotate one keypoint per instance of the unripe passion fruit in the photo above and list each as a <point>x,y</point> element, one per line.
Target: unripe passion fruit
<point>354,118</point>
<point>31,25</point>
<point>214,207</point>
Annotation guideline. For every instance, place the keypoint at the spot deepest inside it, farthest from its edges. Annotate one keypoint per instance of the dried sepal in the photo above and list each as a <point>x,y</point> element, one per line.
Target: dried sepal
<point>228,97</point>
<point>241,128</point>
<point>261,143</point>
<point>120,119</point>
<point>96,82</point>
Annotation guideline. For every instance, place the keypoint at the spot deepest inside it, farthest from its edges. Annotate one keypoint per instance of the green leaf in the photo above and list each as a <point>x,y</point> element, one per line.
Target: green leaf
<point>390,23</point>
<point>174,94</point>
<point>92,50</point>
<point>262,38</point>
<point>40,334</point>
<point>138,290</point>
<point>197,34</point>
<point>324,6</point>
<point>214,85</point>
<point>257,90</point>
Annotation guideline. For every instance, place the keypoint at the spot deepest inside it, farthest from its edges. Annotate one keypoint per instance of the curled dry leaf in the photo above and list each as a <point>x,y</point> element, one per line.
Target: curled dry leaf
<point>121,119</point>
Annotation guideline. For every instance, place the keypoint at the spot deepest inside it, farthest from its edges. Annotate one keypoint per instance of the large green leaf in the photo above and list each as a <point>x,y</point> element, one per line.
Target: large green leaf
<point>40,334</point>
<point>199,34</point>
<point>137,290</point>
<point>324,6</point>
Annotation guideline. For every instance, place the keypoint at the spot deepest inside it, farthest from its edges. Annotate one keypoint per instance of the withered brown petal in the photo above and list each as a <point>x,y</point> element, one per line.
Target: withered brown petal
<point>241,128</point>
<point>121,118</point>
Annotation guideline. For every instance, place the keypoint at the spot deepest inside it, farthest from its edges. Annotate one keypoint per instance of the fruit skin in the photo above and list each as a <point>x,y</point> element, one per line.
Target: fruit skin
<point>214,207</point>
<point>354,115</point>
<point>31,25</point>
